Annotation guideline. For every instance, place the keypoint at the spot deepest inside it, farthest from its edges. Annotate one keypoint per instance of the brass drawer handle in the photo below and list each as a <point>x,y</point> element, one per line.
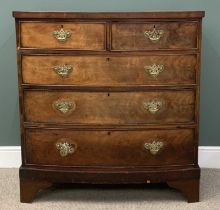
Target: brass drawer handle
<point>62,35</point>
<point>154,147</point>
<point>64,107</point>
<point>154,35</point>
<point>65,148</point>
<point>153,106</point>
<point>63,70</point>
<point>154,70</point>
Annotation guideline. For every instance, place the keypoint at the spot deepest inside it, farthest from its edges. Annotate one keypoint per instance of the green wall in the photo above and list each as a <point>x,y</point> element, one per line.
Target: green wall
<point>210,78</point>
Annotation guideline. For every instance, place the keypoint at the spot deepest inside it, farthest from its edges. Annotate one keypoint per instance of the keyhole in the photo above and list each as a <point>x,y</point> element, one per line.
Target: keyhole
<point>108,94</point>
<point>61,26</point>
<point>109,133</point>
<point>108,59</point>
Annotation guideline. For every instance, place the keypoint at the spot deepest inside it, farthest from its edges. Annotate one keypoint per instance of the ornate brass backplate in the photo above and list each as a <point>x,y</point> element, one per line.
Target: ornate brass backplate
<point>154,70</point>
<point>154,147</point>
<point>63,70</point>
<point>153,106</point>
<point>65,148</point>
<point>65,107</point>
<point>61,35</point>
<point>154,35</point>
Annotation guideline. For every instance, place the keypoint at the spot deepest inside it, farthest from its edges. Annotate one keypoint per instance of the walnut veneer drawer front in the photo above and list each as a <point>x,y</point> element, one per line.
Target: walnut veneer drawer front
<point>109,108</point>
<point>120,148</point>
<point>109,70</point>
<point>73,35</point>
<point>146,36</point>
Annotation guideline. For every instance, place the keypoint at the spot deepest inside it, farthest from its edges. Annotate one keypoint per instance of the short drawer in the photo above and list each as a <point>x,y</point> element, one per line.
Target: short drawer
<point>109,148</point>
<point>71,35</point>
<point>109,70</point>
<point>154,36</point>
<point>109,108</point>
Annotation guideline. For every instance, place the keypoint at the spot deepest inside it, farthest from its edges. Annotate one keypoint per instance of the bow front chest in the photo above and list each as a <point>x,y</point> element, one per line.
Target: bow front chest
<point>109,98</point>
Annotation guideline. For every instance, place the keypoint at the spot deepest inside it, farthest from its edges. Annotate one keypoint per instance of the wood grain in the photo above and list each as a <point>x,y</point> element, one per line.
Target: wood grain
<point>190,188</point>
<point>109,15</point>
<point>111,175</point>
<point>178,35</point>
<point>29,188</point>
<point>85,36</point>
<point>109,70</point>
<point>110,108</point>
<point>110,148</point>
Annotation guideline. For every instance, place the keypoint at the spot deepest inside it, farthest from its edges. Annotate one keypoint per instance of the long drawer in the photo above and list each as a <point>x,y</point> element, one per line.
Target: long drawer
<point>109,70</point>
<point>110,108</point>
<point>110,148</point>
<point>63,35</point>
<point>154,36</point>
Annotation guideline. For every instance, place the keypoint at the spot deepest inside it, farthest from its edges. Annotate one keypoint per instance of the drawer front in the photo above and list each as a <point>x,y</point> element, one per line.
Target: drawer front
<point>109,71</point>
<point>82,36</point>
<point>110,148</point>
<point>109,108</point>
<point>146,36</point>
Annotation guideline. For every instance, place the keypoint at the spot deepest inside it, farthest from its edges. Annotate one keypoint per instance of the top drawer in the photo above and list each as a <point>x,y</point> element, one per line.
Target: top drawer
<point>72,35</point>
<point>154,36</point>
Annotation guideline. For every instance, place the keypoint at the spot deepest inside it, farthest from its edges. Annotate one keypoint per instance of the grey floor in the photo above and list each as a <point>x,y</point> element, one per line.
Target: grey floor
<point>99,198</point>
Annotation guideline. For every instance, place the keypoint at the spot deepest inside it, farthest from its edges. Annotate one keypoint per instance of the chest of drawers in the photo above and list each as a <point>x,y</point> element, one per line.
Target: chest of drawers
<point>109,98</point>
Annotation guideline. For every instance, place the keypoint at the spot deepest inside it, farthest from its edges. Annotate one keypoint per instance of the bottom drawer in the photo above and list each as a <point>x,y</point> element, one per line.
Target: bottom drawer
<point>110,148</point>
